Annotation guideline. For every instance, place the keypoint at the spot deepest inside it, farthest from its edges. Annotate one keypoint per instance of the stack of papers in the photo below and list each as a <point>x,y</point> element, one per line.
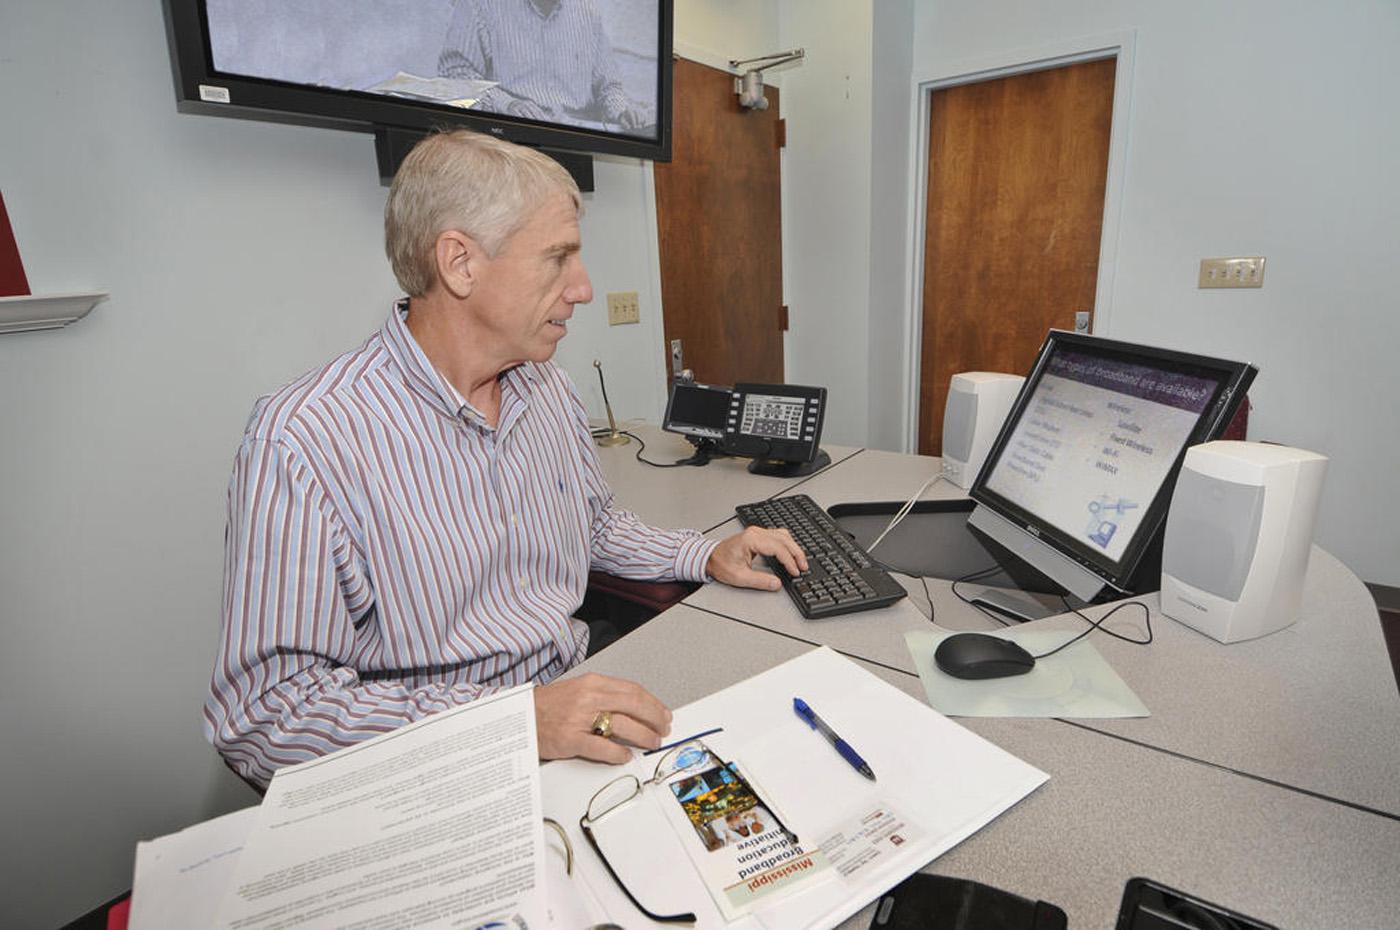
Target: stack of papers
<point>439,824</point>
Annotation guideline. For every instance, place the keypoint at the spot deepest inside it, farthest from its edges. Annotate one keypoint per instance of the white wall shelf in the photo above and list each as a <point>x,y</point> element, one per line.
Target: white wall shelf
<point>50,311</point>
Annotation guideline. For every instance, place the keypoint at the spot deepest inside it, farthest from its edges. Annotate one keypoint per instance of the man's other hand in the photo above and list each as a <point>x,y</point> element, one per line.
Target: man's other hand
<point>732,562</point>
<point>565,711</point>
<point>523,106</point>
<point>634,118</point>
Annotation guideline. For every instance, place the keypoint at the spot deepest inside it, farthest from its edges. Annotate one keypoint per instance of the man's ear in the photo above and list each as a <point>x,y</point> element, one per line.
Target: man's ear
<point>459,261</point>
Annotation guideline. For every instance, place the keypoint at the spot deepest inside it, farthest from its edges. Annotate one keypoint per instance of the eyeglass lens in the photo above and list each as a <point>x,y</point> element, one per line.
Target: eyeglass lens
<point>613,795</point>
<point>683,758</point>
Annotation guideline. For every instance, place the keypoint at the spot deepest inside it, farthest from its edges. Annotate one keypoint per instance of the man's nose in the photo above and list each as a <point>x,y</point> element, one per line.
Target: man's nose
<point>580,291</point>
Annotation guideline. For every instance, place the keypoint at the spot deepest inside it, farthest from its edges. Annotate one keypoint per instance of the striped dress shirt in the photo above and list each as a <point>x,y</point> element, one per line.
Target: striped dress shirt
<point>390,554</point>
<point>561,60</point>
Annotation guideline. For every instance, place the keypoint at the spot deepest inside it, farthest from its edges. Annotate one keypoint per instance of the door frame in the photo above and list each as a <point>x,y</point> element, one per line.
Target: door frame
<point>1117,45</point>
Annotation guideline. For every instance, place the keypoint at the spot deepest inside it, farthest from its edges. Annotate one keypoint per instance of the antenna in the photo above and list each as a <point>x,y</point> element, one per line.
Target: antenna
<point>613,437</point>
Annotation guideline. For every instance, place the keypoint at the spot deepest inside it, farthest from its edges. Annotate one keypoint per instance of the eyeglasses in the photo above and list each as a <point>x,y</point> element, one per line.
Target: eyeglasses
<point>567,849</point>
<point>689,756</point>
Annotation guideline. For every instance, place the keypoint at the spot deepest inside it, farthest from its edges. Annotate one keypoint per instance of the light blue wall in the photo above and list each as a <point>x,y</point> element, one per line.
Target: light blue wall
<point>238,254</point>
<point>826,205</point>
<point>1257,128</point>
<point>891,205</point>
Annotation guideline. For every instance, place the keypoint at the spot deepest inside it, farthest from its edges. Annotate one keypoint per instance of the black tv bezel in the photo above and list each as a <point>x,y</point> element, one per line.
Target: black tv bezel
<point>1232,381</point>
<point>359,111</point>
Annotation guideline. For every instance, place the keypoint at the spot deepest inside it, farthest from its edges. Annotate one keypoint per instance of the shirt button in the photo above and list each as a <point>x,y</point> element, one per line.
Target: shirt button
<point>513,520</point>
<point>524,582</point>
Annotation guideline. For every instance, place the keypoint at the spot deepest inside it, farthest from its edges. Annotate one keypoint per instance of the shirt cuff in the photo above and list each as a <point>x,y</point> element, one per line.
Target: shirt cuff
<point>693,557</point>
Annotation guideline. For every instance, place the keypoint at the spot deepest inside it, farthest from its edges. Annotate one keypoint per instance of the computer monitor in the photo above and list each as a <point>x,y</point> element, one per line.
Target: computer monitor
<point>1078,481</point>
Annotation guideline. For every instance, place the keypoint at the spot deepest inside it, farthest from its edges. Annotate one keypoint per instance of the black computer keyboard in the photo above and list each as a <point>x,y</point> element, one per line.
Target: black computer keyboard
<point>841,577</point>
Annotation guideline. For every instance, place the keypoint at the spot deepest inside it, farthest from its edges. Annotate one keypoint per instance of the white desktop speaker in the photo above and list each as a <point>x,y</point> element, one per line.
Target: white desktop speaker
<point>1238,536</point>
<point>978,402</point>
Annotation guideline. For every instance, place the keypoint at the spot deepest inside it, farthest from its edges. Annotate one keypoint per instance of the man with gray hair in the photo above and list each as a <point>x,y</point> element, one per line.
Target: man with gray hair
<point>412,525</point>
<point>549,59</point>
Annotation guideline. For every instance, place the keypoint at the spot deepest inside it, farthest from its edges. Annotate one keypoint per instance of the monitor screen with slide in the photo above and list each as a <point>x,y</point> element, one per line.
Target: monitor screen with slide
<point>1080,476</point>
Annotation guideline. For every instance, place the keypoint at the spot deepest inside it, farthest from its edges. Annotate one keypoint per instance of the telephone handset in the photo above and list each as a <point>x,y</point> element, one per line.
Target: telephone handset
<point>779,426</point>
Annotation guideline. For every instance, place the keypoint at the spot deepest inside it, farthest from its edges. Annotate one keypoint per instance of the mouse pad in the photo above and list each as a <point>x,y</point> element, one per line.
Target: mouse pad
<point>1077,682</point>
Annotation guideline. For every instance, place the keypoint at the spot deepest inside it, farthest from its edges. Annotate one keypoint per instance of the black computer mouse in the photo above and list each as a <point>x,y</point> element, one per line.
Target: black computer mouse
<point>979,655</point>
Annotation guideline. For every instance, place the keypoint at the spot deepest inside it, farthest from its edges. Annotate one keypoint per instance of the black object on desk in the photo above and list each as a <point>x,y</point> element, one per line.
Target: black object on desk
<point>841,577</point>
<point>977,656</point>
<point>1148,905</point>
<point>779,426</point>
<point>937,902</point>
<point>935,541</point>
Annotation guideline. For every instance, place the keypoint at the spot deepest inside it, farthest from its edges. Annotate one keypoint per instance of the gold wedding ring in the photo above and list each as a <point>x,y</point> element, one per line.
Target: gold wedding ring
<point>602,724</point>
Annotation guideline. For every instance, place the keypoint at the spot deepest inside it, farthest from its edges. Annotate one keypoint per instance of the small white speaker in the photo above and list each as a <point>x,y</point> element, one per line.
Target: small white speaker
<point>978,402</point>
<point>1238,535</point>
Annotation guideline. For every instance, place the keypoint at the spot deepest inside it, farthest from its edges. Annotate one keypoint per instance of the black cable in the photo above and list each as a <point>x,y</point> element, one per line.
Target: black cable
<point>1098,625</point>
<point>642,447</point>
<point>923,579</point>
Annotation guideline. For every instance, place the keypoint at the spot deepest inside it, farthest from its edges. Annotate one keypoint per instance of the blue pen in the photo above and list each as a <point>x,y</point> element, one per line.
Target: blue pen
<point>850,755</point>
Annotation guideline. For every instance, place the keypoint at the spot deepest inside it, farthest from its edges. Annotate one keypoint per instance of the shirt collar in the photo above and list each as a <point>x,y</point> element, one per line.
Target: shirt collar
<point>429,383</point>
<point>541,13</point>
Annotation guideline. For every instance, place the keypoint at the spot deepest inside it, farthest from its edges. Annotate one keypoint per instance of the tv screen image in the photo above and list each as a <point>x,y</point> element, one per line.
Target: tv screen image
<point>585,63</point>
<point>585,76</point>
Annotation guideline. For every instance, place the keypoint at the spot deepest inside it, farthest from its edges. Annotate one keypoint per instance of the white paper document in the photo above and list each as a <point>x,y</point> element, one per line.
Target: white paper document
<point>456,92</point>
<point>437,824</point>
<point>867,839</point>
<point>937,783</point>
<point>180,879</point>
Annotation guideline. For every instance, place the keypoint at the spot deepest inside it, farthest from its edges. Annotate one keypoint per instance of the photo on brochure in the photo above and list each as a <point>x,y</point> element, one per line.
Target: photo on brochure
<point>745,853</point>
<point>722,807</point>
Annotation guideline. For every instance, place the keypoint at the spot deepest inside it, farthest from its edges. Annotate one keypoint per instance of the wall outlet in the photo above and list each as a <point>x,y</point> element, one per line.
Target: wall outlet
<point>1232,272</point>
<point>624,307</point>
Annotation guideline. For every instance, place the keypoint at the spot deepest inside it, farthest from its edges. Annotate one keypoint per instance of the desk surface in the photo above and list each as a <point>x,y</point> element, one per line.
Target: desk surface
<point>1111,810</point>
<point>688,497</point>
<point>1314,706</point>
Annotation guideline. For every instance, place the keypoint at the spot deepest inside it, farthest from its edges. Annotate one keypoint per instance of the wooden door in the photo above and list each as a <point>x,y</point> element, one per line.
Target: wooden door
<point>719,225</point>
<point>1016,176</point>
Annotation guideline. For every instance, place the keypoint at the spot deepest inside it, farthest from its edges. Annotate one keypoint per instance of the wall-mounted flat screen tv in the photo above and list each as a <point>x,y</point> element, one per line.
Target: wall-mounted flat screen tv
<point>573,75</point>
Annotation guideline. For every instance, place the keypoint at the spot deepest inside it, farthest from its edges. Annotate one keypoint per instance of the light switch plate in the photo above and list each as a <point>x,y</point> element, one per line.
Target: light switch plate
<point>1232,272</point>
<point>624,307</point>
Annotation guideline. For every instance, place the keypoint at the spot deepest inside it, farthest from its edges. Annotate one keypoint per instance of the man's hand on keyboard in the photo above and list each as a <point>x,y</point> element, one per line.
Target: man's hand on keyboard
<point>732,562</point>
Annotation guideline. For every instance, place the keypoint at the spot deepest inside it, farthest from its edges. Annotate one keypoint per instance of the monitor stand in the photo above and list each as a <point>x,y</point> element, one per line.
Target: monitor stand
<point>705,449</point>
<point>780,469</point>
<point>1021,606</point>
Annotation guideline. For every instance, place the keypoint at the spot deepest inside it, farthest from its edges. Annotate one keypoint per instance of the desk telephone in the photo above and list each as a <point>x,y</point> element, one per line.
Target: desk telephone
<point>779,426</point>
